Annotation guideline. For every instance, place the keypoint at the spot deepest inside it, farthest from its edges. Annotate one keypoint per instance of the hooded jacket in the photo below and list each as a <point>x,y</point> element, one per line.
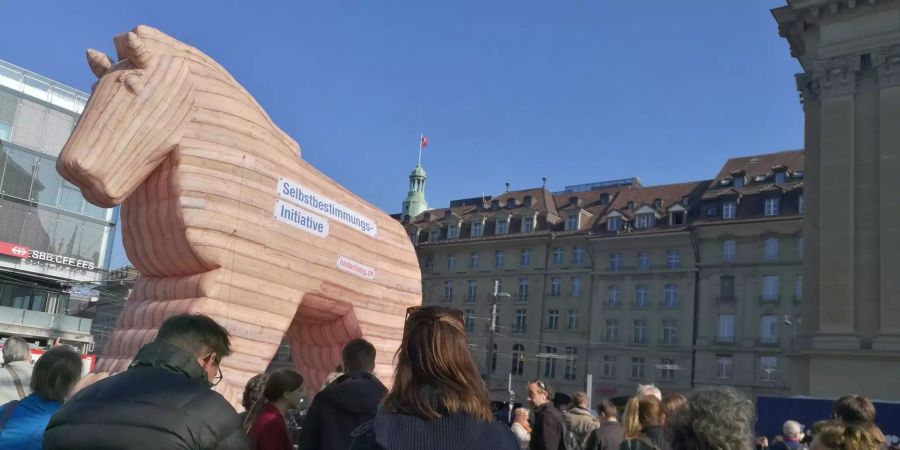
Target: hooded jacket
<point>348,402</point>
<point>161,402</point>
<point>394,431</point>
<point>581,422</point>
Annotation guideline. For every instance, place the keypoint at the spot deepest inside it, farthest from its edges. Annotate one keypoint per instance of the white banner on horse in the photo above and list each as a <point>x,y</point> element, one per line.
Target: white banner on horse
<point>302,196</point>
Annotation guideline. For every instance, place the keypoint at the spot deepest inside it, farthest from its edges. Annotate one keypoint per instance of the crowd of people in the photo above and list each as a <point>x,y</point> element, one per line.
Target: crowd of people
<point>438,400</point>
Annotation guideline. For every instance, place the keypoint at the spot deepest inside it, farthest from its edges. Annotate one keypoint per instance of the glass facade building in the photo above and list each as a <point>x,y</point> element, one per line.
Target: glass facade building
<point>50,237</point>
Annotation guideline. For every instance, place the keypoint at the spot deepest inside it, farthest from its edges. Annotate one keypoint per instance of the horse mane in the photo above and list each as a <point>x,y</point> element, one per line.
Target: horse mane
<point>161,43</point>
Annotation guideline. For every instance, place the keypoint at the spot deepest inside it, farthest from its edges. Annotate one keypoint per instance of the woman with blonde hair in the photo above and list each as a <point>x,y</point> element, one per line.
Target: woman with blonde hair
<point>521,428</point>
<point>438,400</point>
<point>643,420</point>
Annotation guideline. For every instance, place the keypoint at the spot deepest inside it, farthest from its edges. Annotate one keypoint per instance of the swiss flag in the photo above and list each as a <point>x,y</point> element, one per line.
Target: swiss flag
<point>423,141</point>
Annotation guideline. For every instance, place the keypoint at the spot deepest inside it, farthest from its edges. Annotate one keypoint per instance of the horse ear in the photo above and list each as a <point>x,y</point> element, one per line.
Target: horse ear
<point>130,46</point>
<point>99,62</point>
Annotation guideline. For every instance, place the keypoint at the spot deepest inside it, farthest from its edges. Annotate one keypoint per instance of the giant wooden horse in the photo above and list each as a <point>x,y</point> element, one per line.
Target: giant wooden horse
<point>222,217</point>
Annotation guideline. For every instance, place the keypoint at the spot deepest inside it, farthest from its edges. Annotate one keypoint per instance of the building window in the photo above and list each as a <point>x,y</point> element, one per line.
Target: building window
<point>667,369</point>
<point>471,292</point>
<point>414,237</point>
<point>800,204</point>
<point>572,222</point>
<point>434,235</point>
<point>612,330</point>
<point>673,259</point>
<point>550,362</point>
<point>644,260</point>
<point>772,206</point>
<point>557,255</point>
<point>526,257</point>
<point>528,224</point>
<point>571,358</point>
<point>641,295</point>
<point>572,323</point>
<point>724,367</point>
<point>613,298</point>
<point>768,329</point>
<point>498,258</point>
<point>798,288</point>
<point>729,209</point>
<point>521,321</point>
<point>771,249</point>
<point>739,181</point>
<point>726,328</point>
<point>646,220</point>
<point>451,261</point>
<point>609,366</point>
<point>614,223</point>
<point>770,288</point>
<point>555,287</point>
<point>615,262</point>
<point>768,366</point>
<point>494,358</point>
<point>676,218</point>
<point>670,331</point>
<point>502,226</point>
<point>671,296</point>
<point>577,254</point>
<point>576,286</point>
<point>498,284</point>
<point>637,368</point>
<point>729,250</point>
<point>552,319</point>
<point>726,288</point>
<point>473,260</point>
<point>477,229</point>
<point>523,290</point>
<point>469,315</point>
<point>779,177</point>
<point>800,247</point>
<point>448,291</point>
<point>518,360</point>
<point>640,332</point>
<point>452,231</point>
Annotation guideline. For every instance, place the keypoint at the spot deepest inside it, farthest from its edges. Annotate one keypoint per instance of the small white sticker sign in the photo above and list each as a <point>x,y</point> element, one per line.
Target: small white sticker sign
<point>302,196</point>
<point>300,218</point>
<point>355,268</point>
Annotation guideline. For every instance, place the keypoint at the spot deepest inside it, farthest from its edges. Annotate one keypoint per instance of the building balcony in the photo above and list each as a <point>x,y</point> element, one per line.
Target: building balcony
<point>670,342</point>
<point>725,340</point>
<point>41,324</point>
<point>639,341</point>
<point>767,341</point>
<point>611,339</point>
<point>725,299</point>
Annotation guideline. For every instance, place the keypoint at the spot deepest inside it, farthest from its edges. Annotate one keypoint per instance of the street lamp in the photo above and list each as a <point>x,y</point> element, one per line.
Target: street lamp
<point>488,368</point>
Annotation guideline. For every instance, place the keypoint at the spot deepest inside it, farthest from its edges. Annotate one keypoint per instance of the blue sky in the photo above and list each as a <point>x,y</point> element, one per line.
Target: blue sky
<point>576,91</point>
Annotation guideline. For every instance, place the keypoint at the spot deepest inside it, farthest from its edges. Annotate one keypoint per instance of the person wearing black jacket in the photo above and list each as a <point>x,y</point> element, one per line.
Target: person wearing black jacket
<point>349,401</point>
<point>547,433</point>
<point>163,401</point>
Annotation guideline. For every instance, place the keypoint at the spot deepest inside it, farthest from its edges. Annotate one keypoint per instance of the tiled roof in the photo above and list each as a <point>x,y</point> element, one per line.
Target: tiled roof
<point>754,167</point>
<point>668,194</point>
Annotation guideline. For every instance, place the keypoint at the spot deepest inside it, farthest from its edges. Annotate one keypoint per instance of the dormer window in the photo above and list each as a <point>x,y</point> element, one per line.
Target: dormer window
<point>676,218</point>
<point>657,203</point>
<point>414,237</point>
<point>685,200</point>
<point>604,199</point>
<point>502,226</point>
<point>739,181</point>
<point>646,220</point>
<point>780,177</point>
<point>511,203</point>
<point>452,231</point>
<point>772,206</point>
<point>528,224</point>
<point>614,223</point>
<point>800,204</point>
<point>729,209</point>
<point>629,205</point>
<point>526,201</point>
<point>477,229</point>
<point>434,234</point>
<point>572,222</point>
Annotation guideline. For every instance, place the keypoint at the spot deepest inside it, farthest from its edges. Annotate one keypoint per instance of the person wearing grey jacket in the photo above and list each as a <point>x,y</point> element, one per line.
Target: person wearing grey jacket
<point>579,419</point>
<point>15,374</point>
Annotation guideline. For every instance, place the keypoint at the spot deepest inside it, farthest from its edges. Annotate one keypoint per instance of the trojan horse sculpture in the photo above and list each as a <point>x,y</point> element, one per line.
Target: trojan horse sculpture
<point>221,216</point>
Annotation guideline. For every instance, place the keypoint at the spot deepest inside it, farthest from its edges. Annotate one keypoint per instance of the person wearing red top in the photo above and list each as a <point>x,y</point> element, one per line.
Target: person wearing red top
<point>265,421</point>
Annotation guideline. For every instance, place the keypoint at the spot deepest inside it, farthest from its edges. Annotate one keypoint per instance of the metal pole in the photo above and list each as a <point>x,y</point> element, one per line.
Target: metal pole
<point>488,368</point>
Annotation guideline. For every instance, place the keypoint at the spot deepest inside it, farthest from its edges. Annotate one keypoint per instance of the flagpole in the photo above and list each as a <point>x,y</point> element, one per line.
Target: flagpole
<point>420,147</point>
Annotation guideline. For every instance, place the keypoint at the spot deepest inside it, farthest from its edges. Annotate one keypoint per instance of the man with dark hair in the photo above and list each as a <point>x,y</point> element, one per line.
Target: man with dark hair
<point>163,400</point>
<point>854,409</point>
<point>15,375</point>
<point>610,434</point>
<point>547,433</point>
<point>348,402</point>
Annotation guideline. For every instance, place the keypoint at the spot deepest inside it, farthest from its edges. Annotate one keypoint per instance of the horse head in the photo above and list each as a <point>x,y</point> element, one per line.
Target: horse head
<point>133,120</point>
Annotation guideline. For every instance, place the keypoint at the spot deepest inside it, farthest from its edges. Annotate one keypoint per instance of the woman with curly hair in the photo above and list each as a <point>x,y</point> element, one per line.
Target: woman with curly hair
<point>716,418</point>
